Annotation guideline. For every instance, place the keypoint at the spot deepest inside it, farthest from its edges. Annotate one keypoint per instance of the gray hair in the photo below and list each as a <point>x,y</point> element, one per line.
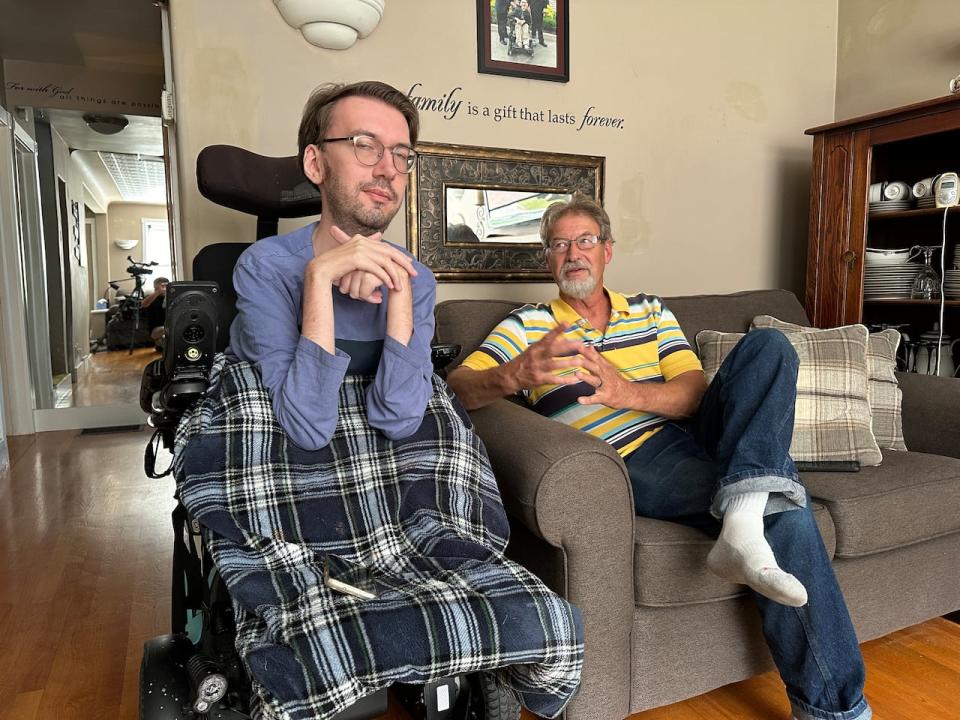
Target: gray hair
<point>578,204</point>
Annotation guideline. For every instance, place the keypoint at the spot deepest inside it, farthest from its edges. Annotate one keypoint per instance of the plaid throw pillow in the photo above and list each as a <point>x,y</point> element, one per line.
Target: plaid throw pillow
<point>832,414</point>
<point>883,389</point>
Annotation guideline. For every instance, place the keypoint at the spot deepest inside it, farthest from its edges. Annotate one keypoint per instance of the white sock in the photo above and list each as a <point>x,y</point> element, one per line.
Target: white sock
<point>743,555</point>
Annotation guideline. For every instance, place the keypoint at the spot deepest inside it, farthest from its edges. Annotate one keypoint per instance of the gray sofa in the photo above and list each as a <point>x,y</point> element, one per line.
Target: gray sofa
<point>654,636</point>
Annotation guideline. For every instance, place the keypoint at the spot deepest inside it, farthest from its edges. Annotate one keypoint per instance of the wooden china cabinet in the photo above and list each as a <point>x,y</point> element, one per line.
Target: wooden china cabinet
<point>905,144</point>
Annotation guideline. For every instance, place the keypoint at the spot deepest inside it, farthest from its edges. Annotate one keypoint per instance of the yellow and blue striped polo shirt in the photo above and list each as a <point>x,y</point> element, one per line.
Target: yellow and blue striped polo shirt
<point>642,339</point>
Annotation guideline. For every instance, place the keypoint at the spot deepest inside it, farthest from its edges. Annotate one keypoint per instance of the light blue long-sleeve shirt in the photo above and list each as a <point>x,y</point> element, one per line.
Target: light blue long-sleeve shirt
<point>303,378</point>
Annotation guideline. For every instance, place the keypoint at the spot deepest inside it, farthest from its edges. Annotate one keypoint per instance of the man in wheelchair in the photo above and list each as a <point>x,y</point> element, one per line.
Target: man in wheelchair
<point>332,480</point>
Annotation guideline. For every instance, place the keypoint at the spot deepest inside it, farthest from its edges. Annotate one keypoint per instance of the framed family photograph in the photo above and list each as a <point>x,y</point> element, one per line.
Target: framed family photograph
<point>524,38</point>
<point>473,213</point>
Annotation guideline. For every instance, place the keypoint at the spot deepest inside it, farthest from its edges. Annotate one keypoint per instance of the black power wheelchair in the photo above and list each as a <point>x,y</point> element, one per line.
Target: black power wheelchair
<point>195,671</point>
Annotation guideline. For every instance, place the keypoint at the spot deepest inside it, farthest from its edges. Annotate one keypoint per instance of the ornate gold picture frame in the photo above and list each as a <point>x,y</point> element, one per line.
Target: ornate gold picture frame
<point>473,212</point>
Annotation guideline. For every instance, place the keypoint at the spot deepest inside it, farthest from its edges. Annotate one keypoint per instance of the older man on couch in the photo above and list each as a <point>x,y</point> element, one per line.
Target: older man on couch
<point>717,457</point>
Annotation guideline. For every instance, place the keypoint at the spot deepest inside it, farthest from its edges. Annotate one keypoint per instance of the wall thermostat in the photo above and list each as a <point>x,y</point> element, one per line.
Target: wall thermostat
<point>946,190</point>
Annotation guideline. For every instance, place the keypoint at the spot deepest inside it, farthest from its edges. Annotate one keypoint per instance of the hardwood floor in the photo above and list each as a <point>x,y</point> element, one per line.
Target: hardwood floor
<point>84,574</point>
<point>84,580</point>
<point>109,378</point>
<point>913,674</point>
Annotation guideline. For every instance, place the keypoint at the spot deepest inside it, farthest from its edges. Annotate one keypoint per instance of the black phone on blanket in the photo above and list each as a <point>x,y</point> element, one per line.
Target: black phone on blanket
<point>347,578</point>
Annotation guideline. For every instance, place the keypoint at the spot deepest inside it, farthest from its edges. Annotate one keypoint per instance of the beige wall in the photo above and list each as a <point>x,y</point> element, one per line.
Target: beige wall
<point>124,222</point>
<point>894,53</point>
<point>707,184</point>
<point>102,252</point>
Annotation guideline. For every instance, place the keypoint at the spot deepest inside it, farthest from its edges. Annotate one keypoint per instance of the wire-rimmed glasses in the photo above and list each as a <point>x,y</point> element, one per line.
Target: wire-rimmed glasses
<point>369,150</point>
<point>558,246</point>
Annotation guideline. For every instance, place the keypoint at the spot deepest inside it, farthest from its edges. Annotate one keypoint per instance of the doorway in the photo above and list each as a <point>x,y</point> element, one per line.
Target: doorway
<point>110,244</point>
<point>109,62</point>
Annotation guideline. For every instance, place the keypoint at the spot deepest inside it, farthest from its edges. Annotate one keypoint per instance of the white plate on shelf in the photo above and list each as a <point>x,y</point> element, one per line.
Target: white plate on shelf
<point>880,287</point>
<point>893,256</point>
<point>890,208</point>
<point>891,271</point>
<point>869,280</point>
<point>892,268</point>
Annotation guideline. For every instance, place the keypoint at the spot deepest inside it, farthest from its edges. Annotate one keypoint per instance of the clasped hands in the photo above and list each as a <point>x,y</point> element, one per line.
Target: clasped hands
<point>544,360</point>
<point>360,265</point>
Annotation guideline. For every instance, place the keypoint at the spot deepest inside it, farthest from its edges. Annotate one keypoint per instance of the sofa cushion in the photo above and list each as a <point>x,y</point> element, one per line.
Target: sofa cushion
<point>733,312</point>
<point>662,547</point>
<point>832,418</point>
<point>909,498</point>
<point>882,388</point>
<point>468,322</point>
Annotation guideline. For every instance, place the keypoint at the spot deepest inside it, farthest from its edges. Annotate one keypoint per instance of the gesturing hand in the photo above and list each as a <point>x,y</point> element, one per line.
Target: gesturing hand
<point>540,363</point>
<point>610,387</point>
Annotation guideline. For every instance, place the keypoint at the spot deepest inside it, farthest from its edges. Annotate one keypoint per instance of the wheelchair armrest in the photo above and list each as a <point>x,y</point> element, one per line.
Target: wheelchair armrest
<point>443,354</point>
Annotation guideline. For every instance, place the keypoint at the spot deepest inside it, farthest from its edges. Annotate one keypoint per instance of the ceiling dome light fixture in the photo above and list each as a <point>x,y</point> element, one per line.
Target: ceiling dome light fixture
<point>332,24</point>
<point>105,124</point>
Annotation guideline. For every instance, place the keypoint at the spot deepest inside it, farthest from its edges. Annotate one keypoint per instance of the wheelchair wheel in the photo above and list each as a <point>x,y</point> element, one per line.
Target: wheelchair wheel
<point>492,701</point>
<point>164,687</point>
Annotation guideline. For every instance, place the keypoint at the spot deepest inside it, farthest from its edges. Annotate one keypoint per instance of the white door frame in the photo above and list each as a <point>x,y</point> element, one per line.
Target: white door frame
<point>21,414</point>
<point>17,387</point>
<point>168,113</point>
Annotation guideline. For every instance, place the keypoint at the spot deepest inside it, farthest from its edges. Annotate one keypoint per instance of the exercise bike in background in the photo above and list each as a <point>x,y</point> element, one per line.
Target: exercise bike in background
<point>127,327</point>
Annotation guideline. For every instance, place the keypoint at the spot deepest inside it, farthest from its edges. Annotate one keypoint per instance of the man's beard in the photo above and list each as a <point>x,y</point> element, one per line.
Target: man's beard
<point>578,289</point>
<point>347,209</point>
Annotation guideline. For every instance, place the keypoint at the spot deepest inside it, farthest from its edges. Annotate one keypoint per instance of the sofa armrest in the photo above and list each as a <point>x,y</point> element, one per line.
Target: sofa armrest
<point>931,413</point>
<point>573,491</point>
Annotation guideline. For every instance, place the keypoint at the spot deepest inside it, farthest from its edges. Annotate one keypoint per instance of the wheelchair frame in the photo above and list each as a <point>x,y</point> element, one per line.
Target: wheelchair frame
<point>195,671</point>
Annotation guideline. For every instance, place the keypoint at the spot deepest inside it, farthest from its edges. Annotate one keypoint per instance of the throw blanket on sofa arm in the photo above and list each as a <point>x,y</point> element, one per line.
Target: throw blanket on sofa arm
<point>422,514</point>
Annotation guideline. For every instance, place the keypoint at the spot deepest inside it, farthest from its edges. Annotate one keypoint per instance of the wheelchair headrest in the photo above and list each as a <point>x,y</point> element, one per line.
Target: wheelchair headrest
<point>268,187</point>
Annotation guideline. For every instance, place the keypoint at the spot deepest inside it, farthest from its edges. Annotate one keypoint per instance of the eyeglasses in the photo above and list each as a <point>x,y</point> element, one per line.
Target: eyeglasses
<point>558,246</point>
<point>369,150</point>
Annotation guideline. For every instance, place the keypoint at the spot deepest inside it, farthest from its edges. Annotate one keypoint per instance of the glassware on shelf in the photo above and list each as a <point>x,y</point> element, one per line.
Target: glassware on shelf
<point>926,285</point>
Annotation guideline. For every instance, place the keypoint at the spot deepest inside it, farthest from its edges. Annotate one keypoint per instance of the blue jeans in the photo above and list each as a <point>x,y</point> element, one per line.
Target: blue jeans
<point>739,442</point>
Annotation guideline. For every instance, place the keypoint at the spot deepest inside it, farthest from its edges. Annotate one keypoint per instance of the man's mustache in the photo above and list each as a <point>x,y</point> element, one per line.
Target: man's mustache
<point>574,265</point>
<point>383,186</point>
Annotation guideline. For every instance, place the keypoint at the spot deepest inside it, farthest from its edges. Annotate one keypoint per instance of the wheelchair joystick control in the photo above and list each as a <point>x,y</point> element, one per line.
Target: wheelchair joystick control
<point>208,682</point>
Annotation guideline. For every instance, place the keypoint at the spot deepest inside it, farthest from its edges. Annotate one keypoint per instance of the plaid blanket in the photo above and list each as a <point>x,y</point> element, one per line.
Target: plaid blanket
<point>422,515</point>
